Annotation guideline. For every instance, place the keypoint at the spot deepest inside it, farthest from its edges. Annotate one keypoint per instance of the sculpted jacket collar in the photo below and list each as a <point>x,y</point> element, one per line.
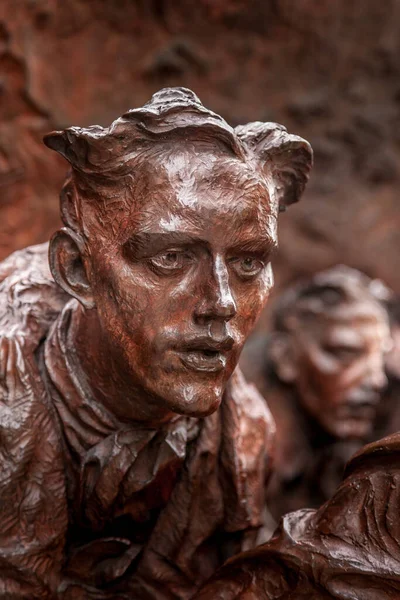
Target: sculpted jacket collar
<point>111,461</point>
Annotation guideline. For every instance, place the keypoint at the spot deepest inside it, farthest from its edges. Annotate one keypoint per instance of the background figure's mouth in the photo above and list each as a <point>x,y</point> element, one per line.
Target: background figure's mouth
<point>205,359</point>
<point>362,412</point>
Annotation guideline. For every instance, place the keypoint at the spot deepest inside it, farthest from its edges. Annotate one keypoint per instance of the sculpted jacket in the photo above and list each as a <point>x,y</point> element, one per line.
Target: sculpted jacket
<point>348,549</point>
<point>91,508</point>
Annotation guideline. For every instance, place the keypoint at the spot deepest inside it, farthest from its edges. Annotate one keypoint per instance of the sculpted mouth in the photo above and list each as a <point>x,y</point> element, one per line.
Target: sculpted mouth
<point>205,353</point>
<point>207,360</point>
<point>360,412</point>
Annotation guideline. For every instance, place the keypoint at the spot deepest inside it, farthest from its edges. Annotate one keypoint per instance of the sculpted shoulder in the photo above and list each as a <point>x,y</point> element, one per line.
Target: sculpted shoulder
<point>32,470</point>
<point>29,303</point>
<point>30,300</point>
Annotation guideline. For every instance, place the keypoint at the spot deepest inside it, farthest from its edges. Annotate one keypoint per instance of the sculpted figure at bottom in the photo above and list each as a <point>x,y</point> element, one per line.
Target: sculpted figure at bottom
<point>347,549</point>
<point>132,452</point>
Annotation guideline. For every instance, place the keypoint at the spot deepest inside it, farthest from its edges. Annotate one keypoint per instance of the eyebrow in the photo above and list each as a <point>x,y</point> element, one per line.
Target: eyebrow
<point>345,344</point>
<point>144,244</point>
<point>265,245</point>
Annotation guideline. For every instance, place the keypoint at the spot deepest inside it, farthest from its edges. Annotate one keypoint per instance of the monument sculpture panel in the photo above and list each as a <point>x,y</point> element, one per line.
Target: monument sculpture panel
<point>133,453</point>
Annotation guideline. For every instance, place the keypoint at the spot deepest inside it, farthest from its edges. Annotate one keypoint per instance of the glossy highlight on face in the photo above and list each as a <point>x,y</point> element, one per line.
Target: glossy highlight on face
<point>182,284</point>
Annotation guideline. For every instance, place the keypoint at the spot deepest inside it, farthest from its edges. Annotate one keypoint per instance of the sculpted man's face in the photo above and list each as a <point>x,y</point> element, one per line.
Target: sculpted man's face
<point>180,274</point>
<point>339,372</point>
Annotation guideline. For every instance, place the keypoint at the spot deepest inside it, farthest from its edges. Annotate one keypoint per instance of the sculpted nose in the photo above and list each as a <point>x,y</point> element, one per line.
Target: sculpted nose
<point>217,301</point>
<point>376,378</point>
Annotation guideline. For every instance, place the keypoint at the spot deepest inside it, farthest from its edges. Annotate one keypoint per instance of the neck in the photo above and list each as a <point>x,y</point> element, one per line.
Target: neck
<point>106,381</point>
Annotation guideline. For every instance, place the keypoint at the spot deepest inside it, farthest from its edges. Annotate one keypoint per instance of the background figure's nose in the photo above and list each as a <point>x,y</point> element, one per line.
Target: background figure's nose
<point>217,301</point>
<point>376,379</point>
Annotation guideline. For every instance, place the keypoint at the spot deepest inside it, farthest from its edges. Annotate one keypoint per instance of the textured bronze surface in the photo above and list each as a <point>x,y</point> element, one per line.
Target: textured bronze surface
<point>330,72</point>
<point>322,372</point>
<point>349,548</point>
<point>133,453</point>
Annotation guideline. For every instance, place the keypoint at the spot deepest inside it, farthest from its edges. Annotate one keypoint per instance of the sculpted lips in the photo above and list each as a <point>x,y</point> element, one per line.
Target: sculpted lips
<point>206,354</point>
<point>360,405</point>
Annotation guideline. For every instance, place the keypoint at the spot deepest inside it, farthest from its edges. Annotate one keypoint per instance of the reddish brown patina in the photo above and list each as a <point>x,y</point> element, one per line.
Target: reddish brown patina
<point>349,548</point>
<point>133,453</point>
<point>322,371</point>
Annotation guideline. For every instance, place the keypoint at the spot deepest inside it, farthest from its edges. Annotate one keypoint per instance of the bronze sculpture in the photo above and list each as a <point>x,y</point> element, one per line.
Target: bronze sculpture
<point>347,549</point>
<point>322,371</point>
<point>133,453</point>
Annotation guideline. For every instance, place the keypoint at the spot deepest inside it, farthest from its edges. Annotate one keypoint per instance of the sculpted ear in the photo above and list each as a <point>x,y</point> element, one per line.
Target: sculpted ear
<point>66,264</point>
<point>285,159</point>
<point>282,356</point>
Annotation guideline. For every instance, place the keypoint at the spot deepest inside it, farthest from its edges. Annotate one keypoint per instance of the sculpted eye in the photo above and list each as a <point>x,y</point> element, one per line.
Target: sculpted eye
<point>343,353</point>
<point>171,260</point>
<point>247,266</point>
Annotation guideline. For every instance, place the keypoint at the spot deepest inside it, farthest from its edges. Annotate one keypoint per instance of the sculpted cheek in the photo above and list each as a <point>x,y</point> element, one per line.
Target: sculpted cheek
<point>252,301</point>
<point>184,288</point>
<point>253,298</point>
<point>245,320</point>
<point>266,283</point>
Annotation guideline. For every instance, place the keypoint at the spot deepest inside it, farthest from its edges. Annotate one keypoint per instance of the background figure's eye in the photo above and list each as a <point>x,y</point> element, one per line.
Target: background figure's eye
<point>343,353</point>
<point>171,260</point>
<point>247,266</point>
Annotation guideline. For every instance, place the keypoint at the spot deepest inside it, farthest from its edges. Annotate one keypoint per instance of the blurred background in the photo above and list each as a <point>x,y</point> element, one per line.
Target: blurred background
<point>327,69</point>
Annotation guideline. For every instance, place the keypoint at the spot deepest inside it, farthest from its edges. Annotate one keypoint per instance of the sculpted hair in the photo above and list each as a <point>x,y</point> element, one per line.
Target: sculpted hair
<point>101,156</point>
<point>327,293</point>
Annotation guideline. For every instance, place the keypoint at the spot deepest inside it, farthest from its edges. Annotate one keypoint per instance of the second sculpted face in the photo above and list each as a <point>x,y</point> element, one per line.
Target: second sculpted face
<point>179,282</point>
<point>340,372</point>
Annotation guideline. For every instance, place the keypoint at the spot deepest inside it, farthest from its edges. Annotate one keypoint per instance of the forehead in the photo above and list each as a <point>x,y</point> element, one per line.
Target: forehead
<point>187,190</point>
